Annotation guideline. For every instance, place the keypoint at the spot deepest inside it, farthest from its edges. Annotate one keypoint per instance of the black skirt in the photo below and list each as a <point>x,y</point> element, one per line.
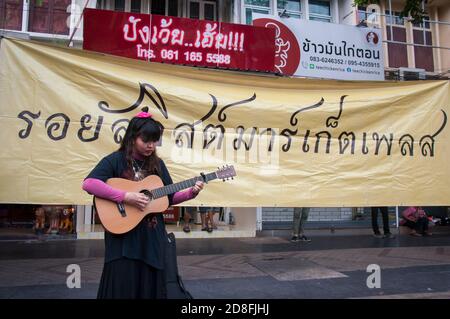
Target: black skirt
<point>131,279</point>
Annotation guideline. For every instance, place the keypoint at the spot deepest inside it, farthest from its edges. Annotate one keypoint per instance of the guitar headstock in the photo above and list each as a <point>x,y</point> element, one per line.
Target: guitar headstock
<point>226,172</point>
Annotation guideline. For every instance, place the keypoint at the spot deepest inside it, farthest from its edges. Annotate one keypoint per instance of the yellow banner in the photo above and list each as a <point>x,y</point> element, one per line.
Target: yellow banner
<point>293,142</point>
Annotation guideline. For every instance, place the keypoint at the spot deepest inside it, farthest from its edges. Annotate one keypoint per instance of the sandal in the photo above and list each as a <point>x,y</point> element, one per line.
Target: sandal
<point>186,229</point>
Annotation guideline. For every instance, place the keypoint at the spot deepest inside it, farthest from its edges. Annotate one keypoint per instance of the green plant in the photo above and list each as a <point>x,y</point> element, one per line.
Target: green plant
<point>413,8</point>
<point>363,3</point>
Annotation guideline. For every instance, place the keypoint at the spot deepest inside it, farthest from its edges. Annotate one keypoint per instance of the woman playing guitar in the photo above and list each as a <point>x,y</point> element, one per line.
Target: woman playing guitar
<point>134,261</point>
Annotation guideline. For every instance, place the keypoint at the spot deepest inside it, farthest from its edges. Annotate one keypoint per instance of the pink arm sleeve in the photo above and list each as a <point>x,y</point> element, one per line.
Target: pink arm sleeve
<point>99,188</point>
<point>409,212</point>
<point>180,197</point>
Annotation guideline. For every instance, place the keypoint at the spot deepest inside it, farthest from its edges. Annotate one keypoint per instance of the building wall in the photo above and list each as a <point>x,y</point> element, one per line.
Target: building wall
<point>418,56</point>
<point>346,12</point>
<point>443,14</point>
<point>285,214</point>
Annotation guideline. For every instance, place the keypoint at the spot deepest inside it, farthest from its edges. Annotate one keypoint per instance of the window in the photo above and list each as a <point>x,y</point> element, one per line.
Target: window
<point>158,7</point>
<point>257,6</point>
<point>11,14</point>
<point>49,16</point>
<point>320,10</point>
<point>362,14</point>
<point>119,5</point>
<point>394,18</point>
<point>135,6</point>
<point>161,7</point>
<point>291,7</point>
<point>368,18</point>
<point>194,10</point>
<point>209,11</point>
<point>165,7</point>
<point>420,25</point>
<point>203,10</point>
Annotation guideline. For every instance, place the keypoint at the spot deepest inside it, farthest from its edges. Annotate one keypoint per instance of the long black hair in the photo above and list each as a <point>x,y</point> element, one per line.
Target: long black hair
<point>149,130</point>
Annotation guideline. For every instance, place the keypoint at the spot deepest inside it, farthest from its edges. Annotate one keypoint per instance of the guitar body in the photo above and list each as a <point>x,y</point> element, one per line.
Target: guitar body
<point>120,221</point>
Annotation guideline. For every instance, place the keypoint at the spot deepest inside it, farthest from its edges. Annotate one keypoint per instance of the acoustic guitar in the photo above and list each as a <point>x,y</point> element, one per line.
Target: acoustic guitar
<point>119,218</point>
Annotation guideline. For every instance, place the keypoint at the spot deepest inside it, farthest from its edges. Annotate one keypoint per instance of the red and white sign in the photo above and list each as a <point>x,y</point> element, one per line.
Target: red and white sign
<point>175,40</point>
<point>172,214</point>
<point>287,50</point>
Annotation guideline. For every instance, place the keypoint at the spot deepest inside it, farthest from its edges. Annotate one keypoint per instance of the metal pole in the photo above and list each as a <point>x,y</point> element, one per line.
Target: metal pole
<point>418,45</point>
<point>423,25</point>
<point>77,25</point>
<point>430,21</point>
<point>390,25</point>
<point>437,22</point>
<point>396,217</point>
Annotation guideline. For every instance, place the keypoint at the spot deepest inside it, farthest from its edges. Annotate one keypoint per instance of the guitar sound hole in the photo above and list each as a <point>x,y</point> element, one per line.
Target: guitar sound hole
<point>147,193</point>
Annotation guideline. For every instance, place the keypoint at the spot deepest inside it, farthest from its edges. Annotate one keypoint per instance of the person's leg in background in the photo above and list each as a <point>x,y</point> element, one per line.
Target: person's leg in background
<point>203,217</point>
<point>209,219</point>
<point>211,216</point>
<point>422,226</point>
<point>385,216</point>
<point>376,230</point>
<point>303,218</point>
<point>296,223</point>
<point>413,226</point>
<point>187,217</point>
<point>425,227</point>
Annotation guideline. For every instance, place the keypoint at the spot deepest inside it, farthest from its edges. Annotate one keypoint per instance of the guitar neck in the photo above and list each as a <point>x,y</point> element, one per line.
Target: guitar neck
<point>173,188</point>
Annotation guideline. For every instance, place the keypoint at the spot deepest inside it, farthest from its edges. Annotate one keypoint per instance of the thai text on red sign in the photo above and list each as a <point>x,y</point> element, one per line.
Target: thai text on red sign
<point>175,40</point>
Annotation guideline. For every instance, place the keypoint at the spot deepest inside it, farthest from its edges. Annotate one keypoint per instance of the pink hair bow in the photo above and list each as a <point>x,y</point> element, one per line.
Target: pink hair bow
<point>143,115</point>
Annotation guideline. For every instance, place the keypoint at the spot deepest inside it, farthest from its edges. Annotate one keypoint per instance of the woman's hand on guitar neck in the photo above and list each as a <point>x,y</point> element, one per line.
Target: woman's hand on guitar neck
<point>136,199</point>
<point>197,187</point>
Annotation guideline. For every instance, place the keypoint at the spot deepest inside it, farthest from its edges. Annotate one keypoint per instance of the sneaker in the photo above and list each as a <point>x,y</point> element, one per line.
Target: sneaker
<point>294,239</point>
<point>389,236</point>
<point>305,239</point>
<point>416,234</point>
<point>186,229</point>
<point>377,235</point>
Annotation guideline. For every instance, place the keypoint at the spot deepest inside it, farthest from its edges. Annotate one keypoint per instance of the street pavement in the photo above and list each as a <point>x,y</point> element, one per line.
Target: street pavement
<point>332,265</point>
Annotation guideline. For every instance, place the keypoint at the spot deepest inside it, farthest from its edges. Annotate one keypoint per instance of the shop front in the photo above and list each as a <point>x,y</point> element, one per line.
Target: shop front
<point>228,222</point>
<point>21,221</point>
